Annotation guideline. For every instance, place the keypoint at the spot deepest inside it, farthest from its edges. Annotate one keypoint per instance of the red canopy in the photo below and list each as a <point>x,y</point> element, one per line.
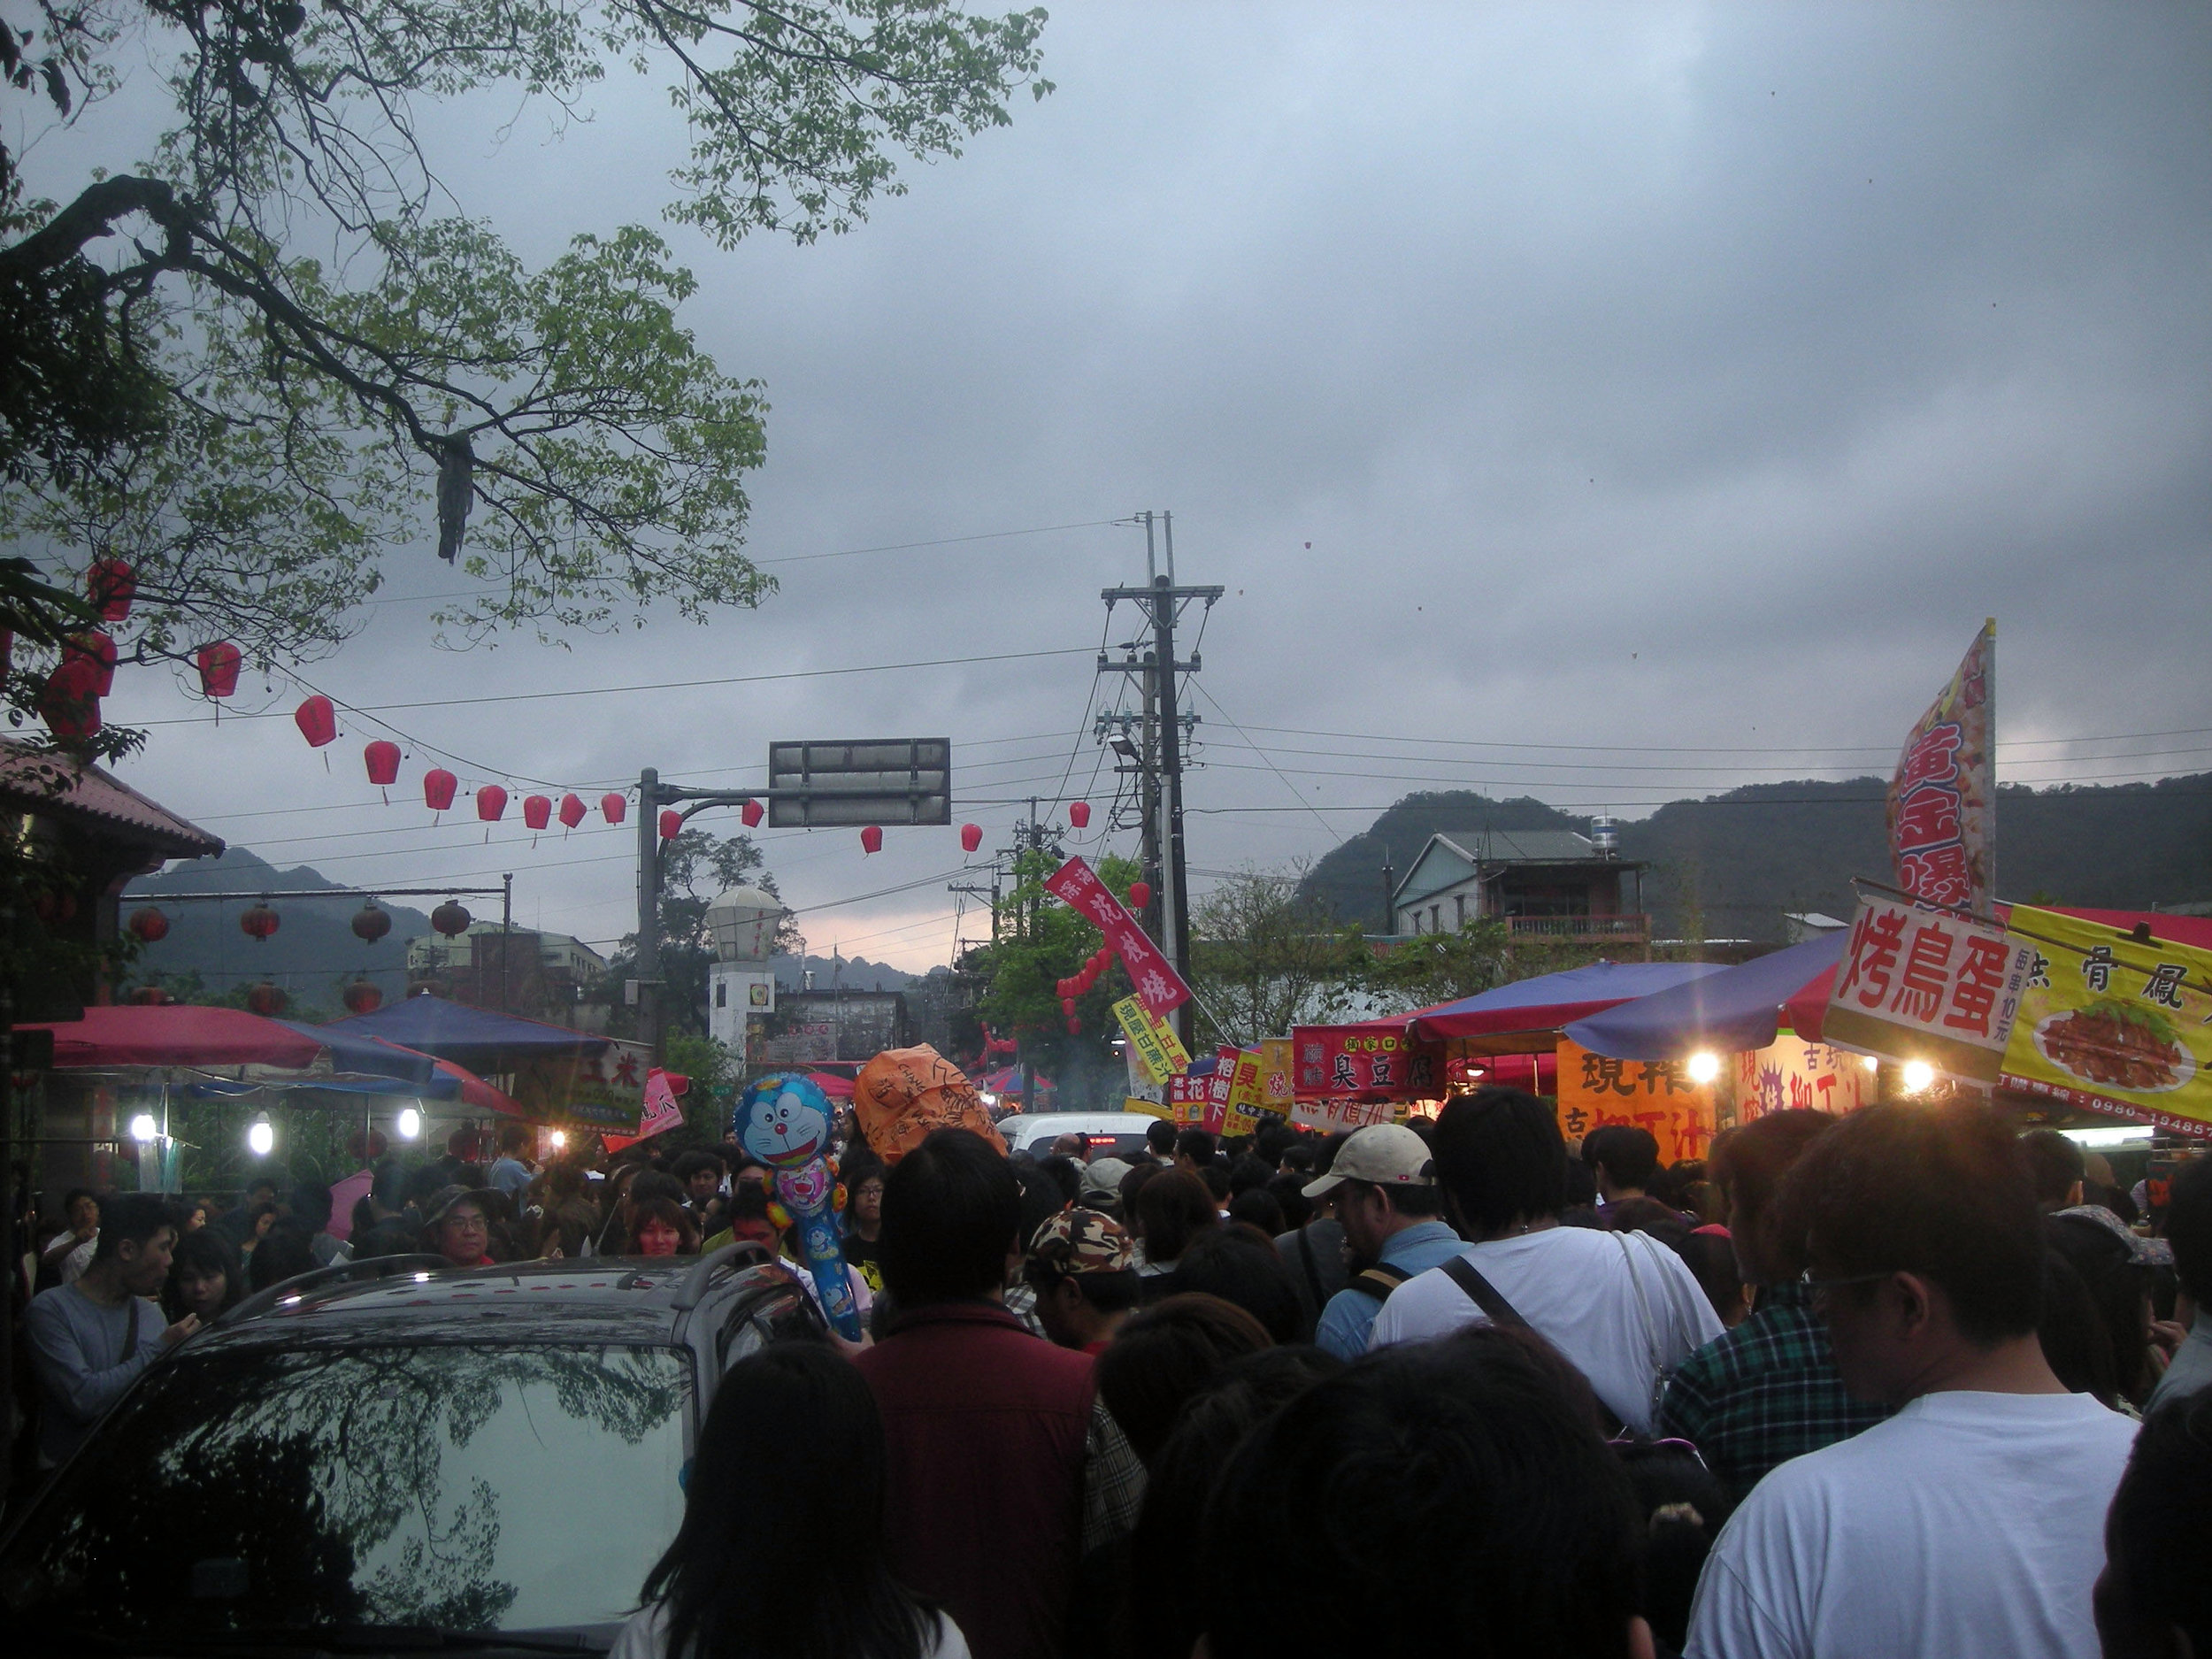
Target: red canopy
<point>178,1034</point>
<point>836,1087</point>
<point>477,1093</point>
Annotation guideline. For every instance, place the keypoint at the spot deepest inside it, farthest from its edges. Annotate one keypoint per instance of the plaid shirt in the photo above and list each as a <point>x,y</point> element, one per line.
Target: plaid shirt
<point>1766,1392</point>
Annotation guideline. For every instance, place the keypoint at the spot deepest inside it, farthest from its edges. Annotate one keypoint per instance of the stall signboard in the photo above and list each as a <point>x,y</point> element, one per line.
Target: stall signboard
<point>2112,1023</point>
<point>602,1091</point>
<point>1159,987</point>
<point>1141,1104</point>
<point>1152,1041</point>
<point>1275,1075</point>
<point>1338,1115</point>
<point>1377,1059</point>
<point>1790,1074</point>
<point>1942,799</point>
<point>1198,1102</point>
<point>1247,1098</point>
<point>1927,985</point>
<point>1596,1090</point>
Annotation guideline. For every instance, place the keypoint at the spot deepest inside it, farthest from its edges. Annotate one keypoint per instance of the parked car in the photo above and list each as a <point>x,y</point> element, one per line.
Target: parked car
<point>391,1456</point>
<point>1108,1134</point>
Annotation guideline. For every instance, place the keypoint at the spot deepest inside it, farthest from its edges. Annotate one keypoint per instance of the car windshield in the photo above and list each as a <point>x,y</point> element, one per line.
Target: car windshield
<point>473,1488</point>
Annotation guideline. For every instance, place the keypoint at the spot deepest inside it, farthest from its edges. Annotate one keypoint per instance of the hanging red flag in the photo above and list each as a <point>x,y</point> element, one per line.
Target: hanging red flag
<point>1159,987</point>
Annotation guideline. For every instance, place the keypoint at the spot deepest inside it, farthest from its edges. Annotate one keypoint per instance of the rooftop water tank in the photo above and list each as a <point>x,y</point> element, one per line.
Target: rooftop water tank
<point>1605,837</point>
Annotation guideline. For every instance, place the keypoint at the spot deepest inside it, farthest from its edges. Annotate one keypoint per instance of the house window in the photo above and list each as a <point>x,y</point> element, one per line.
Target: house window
<point>1436,918</point>
<point>1459,910</point>
<point>721,995</point>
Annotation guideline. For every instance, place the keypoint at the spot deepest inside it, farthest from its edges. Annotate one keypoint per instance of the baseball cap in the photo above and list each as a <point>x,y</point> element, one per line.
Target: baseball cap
<point>1082,1241</point>
<point>1388,1155</point>
<point>1102,1177</point>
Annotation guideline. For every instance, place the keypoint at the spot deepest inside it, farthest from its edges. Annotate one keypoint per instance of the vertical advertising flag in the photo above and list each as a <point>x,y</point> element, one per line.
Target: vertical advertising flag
<point>1943,800</point>
<point>1152,1043</point>
<point>1159,987</point>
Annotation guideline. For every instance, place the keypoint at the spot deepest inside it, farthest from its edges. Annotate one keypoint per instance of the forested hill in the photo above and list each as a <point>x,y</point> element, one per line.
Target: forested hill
<point>1729,865</point>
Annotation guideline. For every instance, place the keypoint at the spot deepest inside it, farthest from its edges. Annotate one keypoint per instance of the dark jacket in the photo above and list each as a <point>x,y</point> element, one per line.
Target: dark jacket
<point>986,1428</point>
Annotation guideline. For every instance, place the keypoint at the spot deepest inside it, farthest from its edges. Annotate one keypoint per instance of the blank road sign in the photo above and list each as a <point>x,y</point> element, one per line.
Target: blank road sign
<point>903,780</point>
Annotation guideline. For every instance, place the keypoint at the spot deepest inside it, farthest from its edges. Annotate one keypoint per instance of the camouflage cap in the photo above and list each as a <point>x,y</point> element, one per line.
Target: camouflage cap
<point>1082,1241</point>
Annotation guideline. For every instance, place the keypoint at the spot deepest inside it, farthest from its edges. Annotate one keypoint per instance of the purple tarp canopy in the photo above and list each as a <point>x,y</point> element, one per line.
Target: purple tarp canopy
<point>1733,1011</point>
<point>1551,1001</point>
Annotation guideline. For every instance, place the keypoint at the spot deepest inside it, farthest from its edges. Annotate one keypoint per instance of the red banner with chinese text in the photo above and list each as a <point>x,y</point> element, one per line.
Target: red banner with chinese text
<point>1158,986</point>
<point>1943,801</point>
<point>1373,1061</point>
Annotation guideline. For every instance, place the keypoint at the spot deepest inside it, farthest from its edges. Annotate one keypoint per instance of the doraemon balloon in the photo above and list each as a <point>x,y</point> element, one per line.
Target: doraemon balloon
<point>785,1122</point>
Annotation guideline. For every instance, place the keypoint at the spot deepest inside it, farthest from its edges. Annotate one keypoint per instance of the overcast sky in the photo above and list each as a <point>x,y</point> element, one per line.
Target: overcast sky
<point>1559,392</point>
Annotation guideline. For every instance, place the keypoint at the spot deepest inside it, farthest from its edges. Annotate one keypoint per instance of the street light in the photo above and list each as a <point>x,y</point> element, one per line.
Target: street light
<point>409,1123</point>
<point>144,1128</point>
<point>261,1136</point>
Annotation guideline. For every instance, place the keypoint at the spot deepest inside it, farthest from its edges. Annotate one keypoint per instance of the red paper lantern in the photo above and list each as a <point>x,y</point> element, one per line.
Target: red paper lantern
<point>97,649</point>
<point>971,837</point>
<point>371,924</point>
<point>362,997</point>
<point>1140,894</point>
<point>259,922</point>
<point>113,585</point>
<point>1075,1027</point>
<point>611,807</point>
<point>437,785</point>
<point>219,664</point>
<point>1063,988</point>
<point>150,996</point>
<point>267,1000</point>
<point>69,703</point>
<point>382,760</point>
<point>572,809</point>
<point>1080,814</point>
<point>752,813</point>
<point>450,918</point>
<point>55,907</point>
<point>149,925</point>
<point>537,811</point>
<point>1067,1006</point>
<point>317,721</point>
<point>871,839</point>
<point>491,802</point>
<point>672,824</point>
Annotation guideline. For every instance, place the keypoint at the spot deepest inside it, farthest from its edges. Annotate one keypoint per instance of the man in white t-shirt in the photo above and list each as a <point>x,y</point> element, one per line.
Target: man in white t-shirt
<point>1973,1521</point>
<point>1624,1308</point>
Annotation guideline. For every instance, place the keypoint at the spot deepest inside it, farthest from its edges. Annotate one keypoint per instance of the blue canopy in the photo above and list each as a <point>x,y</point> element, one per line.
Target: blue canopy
<point>1732,1012</point>
<point>1551,1001</point>
<point>481,1039</point>
<point>366,1057</point>
<point>440,1085</point>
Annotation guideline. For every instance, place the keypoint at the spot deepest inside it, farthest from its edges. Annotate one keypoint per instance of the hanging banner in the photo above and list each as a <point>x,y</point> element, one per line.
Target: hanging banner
<point>2112,1023</point>
<point>1337,1116</point>
<point>1922,985</point>
<point>661,1111</point>
<point>1943,801</point>
<point>1247,1098</point>
<point>1159,987</point>
<point>604,1091</point>
<point>1375,1059</point>
<point>1275,1068</point>
<point>1596,1090</point>
<point>1198,1102</point>
<point>1790,1074</point>
<point>1152,1042</point>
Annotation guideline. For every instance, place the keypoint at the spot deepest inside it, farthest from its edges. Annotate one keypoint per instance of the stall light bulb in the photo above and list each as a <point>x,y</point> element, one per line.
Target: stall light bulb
<point>1919,1077</point>
<point>1873,1063</point>
<point>144,1128</point>
<point>261,1137</point>
<point>987,1098</point>
<point>1704,1066</point>
<point>410,1124</point>
<point>560,1140</point>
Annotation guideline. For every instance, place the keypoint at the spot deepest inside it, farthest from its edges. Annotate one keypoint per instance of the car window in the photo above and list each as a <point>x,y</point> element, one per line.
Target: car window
<point>478,1487</point>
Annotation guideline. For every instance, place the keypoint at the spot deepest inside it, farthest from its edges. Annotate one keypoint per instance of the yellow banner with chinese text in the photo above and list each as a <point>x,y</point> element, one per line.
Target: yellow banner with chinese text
<point>1152,1041</point>
<point>1595,1090</point>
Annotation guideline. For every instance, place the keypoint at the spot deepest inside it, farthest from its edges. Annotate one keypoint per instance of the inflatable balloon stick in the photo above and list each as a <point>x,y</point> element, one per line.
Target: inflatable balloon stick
<point>785,1122</point>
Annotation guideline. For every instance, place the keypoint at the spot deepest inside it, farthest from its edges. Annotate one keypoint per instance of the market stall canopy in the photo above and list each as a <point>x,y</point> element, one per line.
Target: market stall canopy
<point>481,1039</point>
<point>1506,1020</point>
<point>1733,1011</point>
<point>178,1034</point>
<point>368,1057</point>
<point>836,1087</point>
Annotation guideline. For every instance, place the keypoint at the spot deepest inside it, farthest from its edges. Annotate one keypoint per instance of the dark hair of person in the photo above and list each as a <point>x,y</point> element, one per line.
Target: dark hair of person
<point>1173,1210</point>
<point>565,1179</point>
<point>1272,1140</point>
<point>74,1194</point>
<point>2189,1228</point>
<point>1711,1260</point>
<point>1248,1173</point>
<point>260,1183</point>
<point>1299,1156</point>
<point>286,1253</point>
<point>1684,1505</point>
<point>1041,1199</point>
<point>131,1218</point>
<point>203,1251</point>
<point>1289,1193</point>
<point>1671,1186</point>
<point>1748,1164</point>
<point>2076,1345</point>
<point>746,1203</point>
<point>952,1210</point>
<point>1456,1474</point>
<point>1629,1155</point>
<point>1163,1621</point>
<point>514,1137</point>
<point>2055,1164</point>
<point>669,1213</point>
<point>1642,1213</point>
<point>1500,1156</point>
<point>2158,1536</point>
<point>1258,1208</point>
<point>1159,1137</point>
<point>1938,1191</point>
<point>423,1183</point>
<point>2119,1290</point>
<point>1196,1145</point>
<point>651,1184</point>
<point>794,1419</point>
<point>310,1205</point>
<point>1163,1355</point>
<point>1215,1179</point>
<point>1422,1203</point>
<point>1240,1263</point>
<point>1139,1176</point>
<point>697,1163</point>
<point>1066,1174</point>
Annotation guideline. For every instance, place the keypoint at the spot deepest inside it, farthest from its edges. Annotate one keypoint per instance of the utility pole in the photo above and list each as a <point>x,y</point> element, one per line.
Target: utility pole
<point>648,911</point>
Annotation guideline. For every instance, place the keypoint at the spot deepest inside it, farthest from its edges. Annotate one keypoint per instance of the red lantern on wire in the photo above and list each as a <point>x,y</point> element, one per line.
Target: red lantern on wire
<point>362,997</point>
<point>491,802</point>
<point>149,925</point>
<point>371,924</point>
<point>381,758</point>
<point>1075,1027</point>
<point>112,584</point>
<point>672,824</point>
<point>97,648</point>
<point>1140,894</point>
<point>317,721</point>
<point>437,785</point>
<point>752,813</point>
<point>611,807</point>
<point>219,664</point>
<point>1067,1006</point>
<point>573,810</point>
<point>450,918</point>
<point>70,704</point>
<point>259,923</point>
<point>537,811</point>
<point>871,839</point>
<point>971,837</point>
<point>267,1000</point>
<point>1080,814</point>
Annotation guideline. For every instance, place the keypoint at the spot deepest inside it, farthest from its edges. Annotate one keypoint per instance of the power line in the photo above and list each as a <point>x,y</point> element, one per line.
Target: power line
<point>1651,748</point>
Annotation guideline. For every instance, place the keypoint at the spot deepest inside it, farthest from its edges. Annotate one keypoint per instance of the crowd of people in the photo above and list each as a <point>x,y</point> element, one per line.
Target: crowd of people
<point>1901,1382</point>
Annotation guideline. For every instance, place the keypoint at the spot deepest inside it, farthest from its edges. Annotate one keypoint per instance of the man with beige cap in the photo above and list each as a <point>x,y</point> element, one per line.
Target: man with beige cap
<point>1392,1210</point>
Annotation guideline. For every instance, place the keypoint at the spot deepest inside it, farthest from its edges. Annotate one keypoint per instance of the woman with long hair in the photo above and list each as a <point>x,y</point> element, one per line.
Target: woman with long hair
<point>796,1421</point>
<point>661,1226</point>
<point>205,1278</point>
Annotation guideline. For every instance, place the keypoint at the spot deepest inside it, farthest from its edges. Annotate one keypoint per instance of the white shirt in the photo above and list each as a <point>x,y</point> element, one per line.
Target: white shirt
<point>645,1636</point>
<point>1969,1524</point>
<point>1580,1288</point>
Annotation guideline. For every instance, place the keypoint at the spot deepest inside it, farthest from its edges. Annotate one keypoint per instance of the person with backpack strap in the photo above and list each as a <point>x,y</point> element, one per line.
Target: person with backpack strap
<point>1392,1210</point>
